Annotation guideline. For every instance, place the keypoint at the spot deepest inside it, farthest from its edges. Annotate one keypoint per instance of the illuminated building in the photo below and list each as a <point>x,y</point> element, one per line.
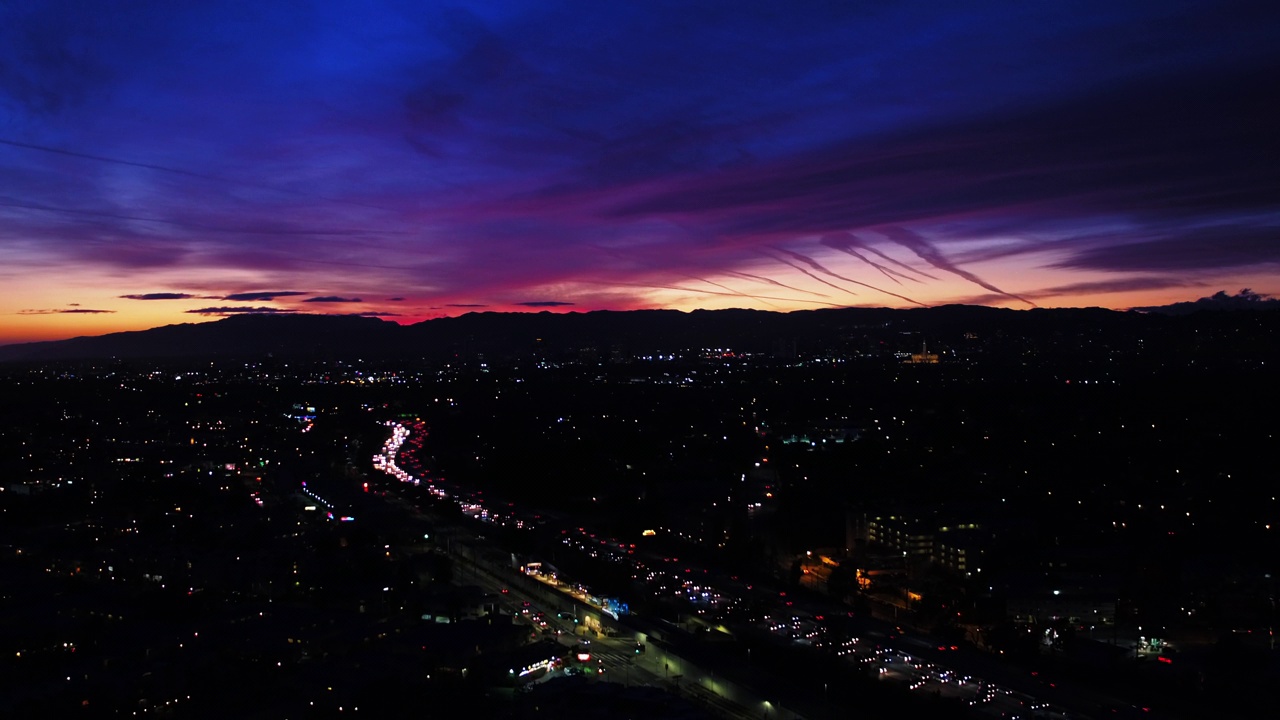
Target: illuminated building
<point>924,357</point>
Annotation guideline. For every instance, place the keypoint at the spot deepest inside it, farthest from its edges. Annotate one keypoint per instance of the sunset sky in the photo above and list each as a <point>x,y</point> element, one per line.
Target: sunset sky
<point>165,162</point>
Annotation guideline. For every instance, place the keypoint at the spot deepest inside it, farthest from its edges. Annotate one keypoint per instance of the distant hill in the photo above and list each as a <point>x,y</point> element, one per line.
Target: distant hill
<point>499,335</point>
<point>1246,299</point>
<point>237,336</point>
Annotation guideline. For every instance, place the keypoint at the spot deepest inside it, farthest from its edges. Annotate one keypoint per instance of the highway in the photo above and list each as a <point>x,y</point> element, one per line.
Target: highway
<point>899,657</point>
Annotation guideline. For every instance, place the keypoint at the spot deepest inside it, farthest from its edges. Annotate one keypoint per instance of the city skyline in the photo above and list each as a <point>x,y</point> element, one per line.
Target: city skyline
<point>177,164</point>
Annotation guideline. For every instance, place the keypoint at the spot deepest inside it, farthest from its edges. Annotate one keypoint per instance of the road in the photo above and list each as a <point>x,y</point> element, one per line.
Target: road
<point>922,667</point>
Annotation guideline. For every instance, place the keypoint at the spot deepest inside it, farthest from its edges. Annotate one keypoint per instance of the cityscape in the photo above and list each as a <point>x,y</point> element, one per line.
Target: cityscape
<point>975,523</point>
<point>718,359</point>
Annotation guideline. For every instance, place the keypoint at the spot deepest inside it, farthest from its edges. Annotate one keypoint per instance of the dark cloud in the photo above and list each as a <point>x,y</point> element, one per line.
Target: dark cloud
<point>65,311</point>
<point>543,303</point>
<point>375,313</point>
<point>258,296</point>
<point>59,72</point>
<point>1246,299</point>
<point>1166,151</point>
<point>240,311</point>
<point>1183,250</point>
<point>395,299</point>
<point>332,299</point>
<point>1093,287</point>
<point>158,296</point>
<point>466,305</point>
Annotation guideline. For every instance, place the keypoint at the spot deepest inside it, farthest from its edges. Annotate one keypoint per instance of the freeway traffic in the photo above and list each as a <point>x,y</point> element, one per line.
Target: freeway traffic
<point>733,606</point>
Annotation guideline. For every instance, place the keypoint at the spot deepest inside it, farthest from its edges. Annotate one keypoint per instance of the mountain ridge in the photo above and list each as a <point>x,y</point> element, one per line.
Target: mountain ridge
<point>499,334</point>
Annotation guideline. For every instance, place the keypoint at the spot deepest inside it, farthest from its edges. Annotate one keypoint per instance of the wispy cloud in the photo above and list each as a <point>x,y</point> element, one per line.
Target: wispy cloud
<point>494,153</point>
<point>1092,287</point>
<point>66,311</point>
<point>1183,250</point>
<point>260,296</point>
<point>332,299</point>
<point>272,187</point>
<point>771,281</point>
<point>824,270</point>
<point>926,251</point>
<point>239,310</point>
<point>158,296</point>
<point>846,242</point>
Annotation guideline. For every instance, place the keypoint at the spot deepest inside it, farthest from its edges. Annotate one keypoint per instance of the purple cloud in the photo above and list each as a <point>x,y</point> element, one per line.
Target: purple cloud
<point>1183,250</point>
<point>240,311</point>
<point>494,152</point>
<point>1094,287</point>
<point>846,242</point>
<point>332,299</point>
<point>274,188</point>
<point>822,269</point>
<point>258,296</point>
<point>65,311</point>
<point>158,296</point>
<point>926,251</point>
<point>771,281</point>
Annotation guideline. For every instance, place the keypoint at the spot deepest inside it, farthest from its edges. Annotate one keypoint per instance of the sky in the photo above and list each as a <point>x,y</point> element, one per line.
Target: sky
<point>166,162</point>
